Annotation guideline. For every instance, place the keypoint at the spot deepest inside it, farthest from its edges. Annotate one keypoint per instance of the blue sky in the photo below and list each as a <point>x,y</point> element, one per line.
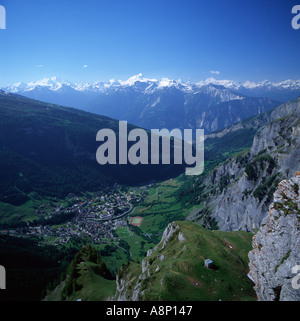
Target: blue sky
<point>102,39</point>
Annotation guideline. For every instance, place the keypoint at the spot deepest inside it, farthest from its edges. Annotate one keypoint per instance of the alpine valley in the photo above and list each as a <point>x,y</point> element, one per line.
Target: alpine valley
<point>91,233</point>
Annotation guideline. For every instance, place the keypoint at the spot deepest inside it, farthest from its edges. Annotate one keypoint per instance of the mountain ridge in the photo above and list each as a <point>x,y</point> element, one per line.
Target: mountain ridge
<point>54,83</point>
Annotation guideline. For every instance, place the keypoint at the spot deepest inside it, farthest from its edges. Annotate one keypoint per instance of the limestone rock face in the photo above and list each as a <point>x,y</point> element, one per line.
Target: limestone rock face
<point>244,185</point>
<point>275,258</point>
<point>124,291</point>
<point>168,233</point>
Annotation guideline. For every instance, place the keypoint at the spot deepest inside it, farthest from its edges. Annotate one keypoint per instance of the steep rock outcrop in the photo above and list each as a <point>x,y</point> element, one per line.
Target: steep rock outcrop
<point>275,256</point>
<point>129,285</point>
<point>240,190</point>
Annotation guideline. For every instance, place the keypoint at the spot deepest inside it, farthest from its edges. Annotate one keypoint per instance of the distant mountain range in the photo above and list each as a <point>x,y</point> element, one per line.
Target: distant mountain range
<point>281,91</point>
<point>211,104</point>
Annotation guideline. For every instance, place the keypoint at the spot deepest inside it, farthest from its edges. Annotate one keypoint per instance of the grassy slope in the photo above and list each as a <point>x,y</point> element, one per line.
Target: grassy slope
<point>94,287</point>
<point>9,212</point>
<point>182,275</point>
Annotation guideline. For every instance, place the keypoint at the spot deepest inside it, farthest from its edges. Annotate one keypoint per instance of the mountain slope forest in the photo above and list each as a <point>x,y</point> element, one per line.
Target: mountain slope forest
<point>49,150</point>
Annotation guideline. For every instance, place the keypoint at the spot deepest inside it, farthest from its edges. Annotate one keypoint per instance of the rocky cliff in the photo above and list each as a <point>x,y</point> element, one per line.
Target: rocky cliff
<point>130,286</point>
<point>239,191</point>
<point>275,258</point>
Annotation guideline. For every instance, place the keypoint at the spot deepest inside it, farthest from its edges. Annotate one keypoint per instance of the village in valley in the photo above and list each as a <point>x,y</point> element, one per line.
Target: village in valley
<point>93,216</point>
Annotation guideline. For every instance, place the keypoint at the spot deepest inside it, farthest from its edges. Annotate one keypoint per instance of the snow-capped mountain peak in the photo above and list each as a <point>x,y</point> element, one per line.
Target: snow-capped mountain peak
<point>280,91</point>
<point>52,83</point>
<point>212,81</point>
<point>136,78</point>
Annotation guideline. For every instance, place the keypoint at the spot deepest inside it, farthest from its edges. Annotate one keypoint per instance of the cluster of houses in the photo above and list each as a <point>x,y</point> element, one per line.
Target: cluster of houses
<point>94,218</point>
